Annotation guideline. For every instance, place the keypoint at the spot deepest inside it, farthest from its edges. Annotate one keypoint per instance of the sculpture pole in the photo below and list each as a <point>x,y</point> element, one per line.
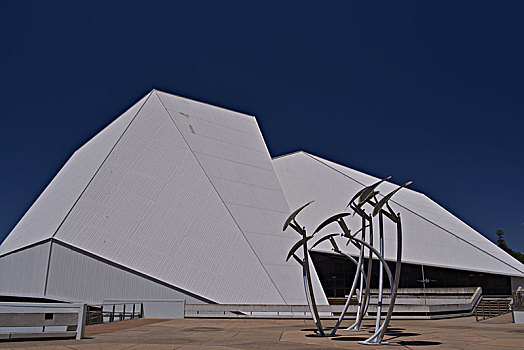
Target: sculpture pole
<point>310,296</point>
<point>356,279</point>
<point>306,274</point>
<point>363,301</point>
<point>362,276</point>
<point>392,282</point>
<point>364,196</point>
<point>378,336</point>
<point>381,270</point>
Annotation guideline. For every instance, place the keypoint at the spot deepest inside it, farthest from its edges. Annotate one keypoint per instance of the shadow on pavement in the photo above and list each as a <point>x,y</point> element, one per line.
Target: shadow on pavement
<point>419,343</point>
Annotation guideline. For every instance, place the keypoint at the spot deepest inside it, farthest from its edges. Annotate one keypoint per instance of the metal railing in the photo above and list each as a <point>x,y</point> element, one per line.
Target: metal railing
<point>104,313</point>
<point>492,307</point>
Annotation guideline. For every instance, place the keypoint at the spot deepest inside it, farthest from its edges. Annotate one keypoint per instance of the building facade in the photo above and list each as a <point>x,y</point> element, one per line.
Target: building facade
<point>180,199</point>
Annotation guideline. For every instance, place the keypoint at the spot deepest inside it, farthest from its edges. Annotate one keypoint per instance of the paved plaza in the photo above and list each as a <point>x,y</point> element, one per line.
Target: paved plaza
<point>228,334</point>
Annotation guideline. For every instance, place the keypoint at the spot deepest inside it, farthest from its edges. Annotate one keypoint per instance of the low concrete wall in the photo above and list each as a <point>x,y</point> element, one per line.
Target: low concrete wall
<point>38,320</point>
<point>518,317</point>
<point>155,308</point>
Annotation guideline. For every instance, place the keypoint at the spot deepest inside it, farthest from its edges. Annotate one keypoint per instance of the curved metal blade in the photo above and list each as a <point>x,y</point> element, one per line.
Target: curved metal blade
<point>296,246</point>
<point>356,196</point>
<point>330,220</point>
<point>369,191</point>
<point>324,239</point>
<point>294,214</point>
<point>384,200</point>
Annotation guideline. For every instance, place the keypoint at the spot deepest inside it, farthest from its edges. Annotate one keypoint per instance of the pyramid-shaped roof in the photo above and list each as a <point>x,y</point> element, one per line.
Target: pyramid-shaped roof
<point>180,191</point>
<point>432,235</point>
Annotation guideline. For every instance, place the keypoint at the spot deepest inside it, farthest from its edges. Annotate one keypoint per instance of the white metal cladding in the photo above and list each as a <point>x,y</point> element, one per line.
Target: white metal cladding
<point>432,236</point>
<point>47,213</point>
<point>230,148</point>
<point>24,272</point>
<point>77,277</point>
<point>152,208</point>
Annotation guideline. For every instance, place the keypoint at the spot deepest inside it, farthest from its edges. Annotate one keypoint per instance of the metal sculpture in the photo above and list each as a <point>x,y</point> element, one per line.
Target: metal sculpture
<point>363,196</point>
<point>306,274</point>
<point>367,195</point>
<point>378,208</point>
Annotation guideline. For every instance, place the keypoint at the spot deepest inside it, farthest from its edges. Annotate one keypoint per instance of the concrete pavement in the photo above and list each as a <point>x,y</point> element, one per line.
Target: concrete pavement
<point>229,334</point>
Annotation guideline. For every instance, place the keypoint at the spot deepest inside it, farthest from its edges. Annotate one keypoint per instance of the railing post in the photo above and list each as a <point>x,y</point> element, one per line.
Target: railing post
<point>81,325</point>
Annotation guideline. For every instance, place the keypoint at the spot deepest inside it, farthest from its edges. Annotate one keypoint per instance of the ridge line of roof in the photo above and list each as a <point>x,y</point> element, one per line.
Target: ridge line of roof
<point>40,242</point>
<point>288,154</point>
<point>204,103</point>
<point>422,217</point>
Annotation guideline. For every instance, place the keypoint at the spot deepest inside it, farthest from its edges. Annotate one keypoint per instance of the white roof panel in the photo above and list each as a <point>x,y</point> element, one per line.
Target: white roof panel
<point>232,151</point>
<point>164,218</point>
<point>432,235</point>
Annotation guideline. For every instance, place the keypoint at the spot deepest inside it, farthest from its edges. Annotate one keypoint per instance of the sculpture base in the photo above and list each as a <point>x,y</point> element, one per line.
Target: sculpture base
<point>354,329</point>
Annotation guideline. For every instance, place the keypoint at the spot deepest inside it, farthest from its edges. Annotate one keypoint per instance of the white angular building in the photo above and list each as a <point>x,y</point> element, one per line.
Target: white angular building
<point>174,199</point>
<point>437,246</point>
<point>180,199</point>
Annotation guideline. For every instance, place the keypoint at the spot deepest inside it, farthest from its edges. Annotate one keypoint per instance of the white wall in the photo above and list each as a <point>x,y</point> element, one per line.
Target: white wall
<point>77,277</point>
<point>23,272</point>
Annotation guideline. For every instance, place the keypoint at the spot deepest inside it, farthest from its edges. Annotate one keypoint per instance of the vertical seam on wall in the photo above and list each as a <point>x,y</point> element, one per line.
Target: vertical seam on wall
<point>420,216</point>
<point>222,200</point>
<point>48,265</point>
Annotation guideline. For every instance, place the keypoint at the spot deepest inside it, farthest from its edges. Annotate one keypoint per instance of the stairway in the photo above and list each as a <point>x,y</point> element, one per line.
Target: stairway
<point>342,301</point>
<point>489,307</point>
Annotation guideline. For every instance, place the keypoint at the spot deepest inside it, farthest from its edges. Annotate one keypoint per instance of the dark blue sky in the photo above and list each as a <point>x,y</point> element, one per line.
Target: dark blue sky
<point>426,91</point>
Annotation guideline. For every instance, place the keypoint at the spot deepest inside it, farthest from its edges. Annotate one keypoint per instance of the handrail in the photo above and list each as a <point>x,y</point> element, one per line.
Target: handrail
<point>326,311</point>
<point>95,316</point>
<point>489,308</point>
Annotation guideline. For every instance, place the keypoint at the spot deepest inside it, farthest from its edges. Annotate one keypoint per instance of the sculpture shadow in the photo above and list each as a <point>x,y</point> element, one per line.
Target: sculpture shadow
<point>418,343</point>
<point>395,335</point>
<point>316,335</point>
<point>315,330</point>
<point>350,338</point>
